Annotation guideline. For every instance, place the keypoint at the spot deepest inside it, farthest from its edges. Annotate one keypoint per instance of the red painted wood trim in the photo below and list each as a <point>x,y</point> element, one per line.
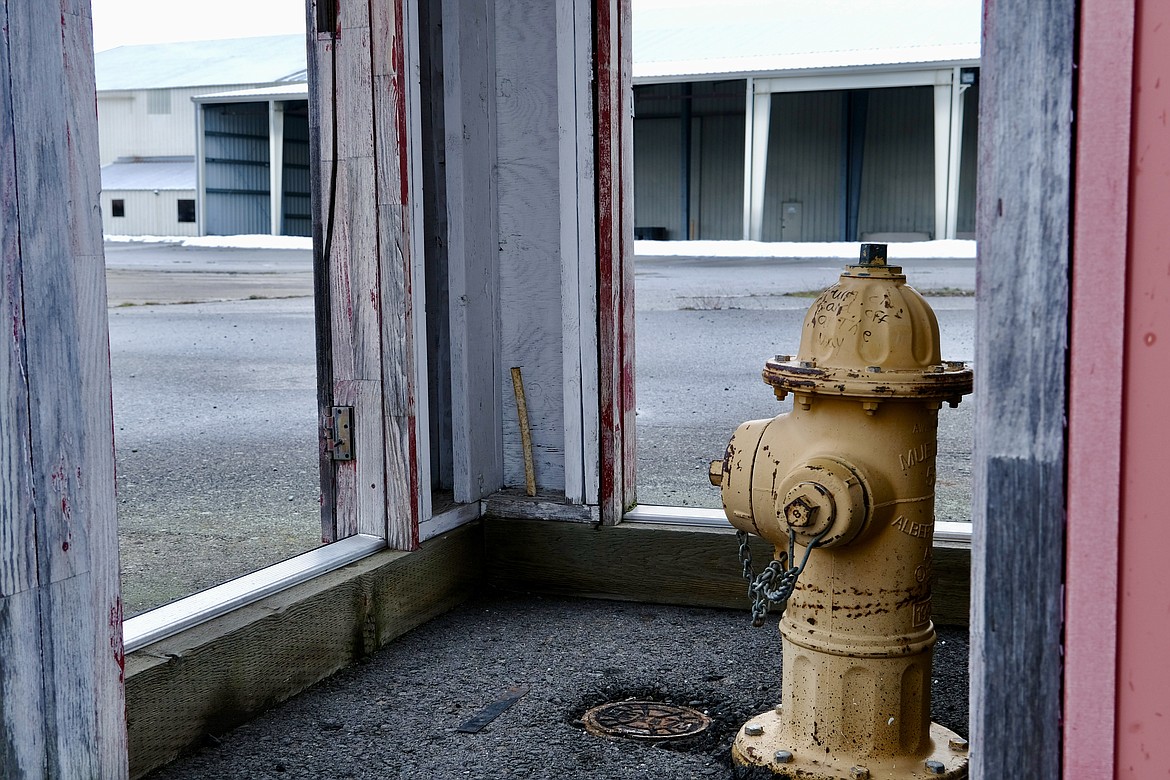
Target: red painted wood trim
<point>1143,684</point>
<point>399,55</point>
<point>1095,354</point>
<point>625,207</point>
<point>615,261</point>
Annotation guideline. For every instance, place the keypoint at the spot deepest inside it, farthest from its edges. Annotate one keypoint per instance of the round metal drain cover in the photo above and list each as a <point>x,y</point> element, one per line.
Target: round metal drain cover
<point>645,720</point>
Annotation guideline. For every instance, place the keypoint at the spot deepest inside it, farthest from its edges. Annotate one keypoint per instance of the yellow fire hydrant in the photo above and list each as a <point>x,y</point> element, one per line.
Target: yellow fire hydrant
<point>843,486</point>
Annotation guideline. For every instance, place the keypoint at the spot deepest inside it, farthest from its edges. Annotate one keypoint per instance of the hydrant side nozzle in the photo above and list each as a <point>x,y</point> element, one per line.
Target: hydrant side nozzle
<point>734,474</point>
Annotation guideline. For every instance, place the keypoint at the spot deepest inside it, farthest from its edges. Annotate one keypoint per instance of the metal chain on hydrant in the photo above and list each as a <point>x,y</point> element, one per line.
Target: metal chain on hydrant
<point>760,588</point>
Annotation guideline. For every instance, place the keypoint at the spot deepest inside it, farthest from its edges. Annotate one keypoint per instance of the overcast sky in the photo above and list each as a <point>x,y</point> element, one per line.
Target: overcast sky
<point>122,22</point>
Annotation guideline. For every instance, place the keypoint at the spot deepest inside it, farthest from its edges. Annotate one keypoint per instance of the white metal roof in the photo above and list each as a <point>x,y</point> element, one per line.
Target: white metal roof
<point>266,60</point>
<point>680,39</point>
<point>298,91</point>
<point>673,40</point>
<point>149,173</point>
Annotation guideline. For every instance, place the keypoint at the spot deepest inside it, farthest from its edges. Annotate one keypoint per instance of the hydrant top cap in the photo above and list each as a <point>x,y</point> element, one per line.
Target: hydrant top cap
<point>873,254</point>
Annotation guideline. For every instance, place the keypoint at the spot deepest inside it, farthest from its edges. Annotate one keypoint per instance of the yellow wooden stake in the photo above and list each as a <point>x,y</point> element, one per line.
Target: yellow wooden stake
<point>525,433</point>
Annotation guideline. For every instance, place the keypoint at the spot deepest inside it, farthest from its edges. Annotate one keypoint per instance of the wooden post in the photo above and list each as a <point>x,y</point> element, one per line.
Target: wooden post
<point>615,248</point>
<point>1025,144</point>
<point>362,229</point>
<point>61,700</point>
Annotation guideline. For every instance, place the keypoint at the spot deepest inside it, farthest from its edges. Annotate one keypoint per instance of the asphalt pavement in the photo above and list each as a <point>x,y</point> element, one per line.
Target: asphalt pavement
<point>398,715</point>
<point>214,390</point>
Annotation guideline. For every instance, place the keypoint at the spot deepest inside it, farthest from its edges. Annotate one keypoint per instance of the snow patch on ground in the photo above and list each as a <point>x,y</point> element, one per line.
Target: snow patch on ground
<point>838,250</point>
<point>220,242</point>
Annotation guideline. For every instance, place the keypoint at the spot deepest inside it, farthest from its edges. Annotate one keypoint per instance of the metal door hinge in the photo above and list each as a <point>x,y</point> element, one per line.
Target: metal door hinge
<point>338,433</point>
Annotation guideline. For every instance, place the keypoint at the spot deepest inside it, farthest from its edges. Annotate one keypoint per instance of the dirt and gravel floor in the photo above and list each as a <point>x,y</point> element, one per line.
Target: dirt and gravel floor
<point>396,716</point>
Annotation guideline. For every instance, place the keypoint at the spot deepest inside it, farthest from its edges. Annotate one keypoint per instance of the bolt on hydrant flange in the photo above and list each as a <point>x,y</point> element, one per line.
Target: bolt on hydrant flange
<point>844,486</point>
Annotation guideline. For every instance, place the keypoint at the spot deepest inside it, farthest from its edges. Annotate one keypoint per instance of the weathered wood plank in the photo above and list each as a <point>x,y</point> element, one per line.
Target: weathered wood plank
<point>625,237</point>
<point>345,191</point>
<point>322,182</point>
<point>354,77</point>
<point>17,523</point>
<point>54,280</point>
<point>529,236</point>
<point>51,323</point>
<point>72,745</point>
<point>393,191</point>
<point>515,503</point>
<point>93,341</point>
<point>578,248</point>
<point>473,277</point>
<point>615,275</point>
<point>357,294</point>
<point>1018,505</point>
<point>22,738</point>
<point>659,564</point>
<point>361,483</point>
<point>218,675</point>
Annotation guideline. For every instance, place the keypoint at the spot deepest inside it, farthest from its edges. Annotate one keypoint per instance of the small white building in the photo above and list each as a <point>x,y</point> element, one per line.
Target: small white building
<point>149,196</point>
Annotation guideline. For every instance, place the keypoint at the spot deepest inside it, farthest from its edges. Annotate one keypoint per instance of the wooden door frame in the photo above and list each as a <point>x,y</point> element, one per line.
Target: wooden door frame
<point>615,249</point>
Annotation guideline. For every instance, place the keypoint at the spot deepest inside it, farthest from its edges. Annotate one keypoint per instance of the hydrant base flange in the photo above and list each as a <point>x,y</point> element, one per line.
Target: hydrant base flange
<point>762,742</point>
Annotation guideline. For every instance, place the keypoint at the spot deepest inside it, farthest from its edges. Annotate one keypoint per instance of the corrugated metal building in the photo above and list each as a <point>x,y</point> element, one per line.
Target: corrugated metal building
<point>250,144</point>
<point>146,109</point>
<point>805,121</point>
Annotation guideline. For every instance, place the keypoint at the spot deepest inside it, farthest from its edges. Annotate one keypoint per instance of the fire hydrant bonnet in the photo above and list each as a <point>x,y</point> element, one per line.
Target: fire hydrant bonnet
<point>870,335</point>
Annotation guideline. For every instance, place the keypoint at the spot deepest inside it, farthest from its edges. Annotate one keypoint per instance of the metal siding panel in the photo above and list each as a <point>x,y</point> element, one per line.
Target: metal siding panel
<point>657,178</point>
<point>716,196</point>
<point>656,101</point>
<point>804,163</point>
<point>897,181</point>
<point>116,127</point>
<point>969,165</point>
<point>296,213</point>
<point>708,98</point>
<point>236,172</point>
<point>720,194</point>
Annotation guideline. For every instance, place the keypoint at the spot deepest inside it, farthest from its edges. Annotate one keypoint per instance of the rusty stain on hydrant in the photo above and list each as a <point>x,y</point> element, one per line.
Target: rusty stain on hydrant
<point>845,485</point>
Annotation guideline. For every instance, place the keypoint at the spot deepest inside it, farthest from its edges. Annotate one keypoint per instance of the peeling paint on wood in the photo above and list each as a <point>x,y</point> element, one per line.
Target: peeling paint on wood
<point>615,255</point>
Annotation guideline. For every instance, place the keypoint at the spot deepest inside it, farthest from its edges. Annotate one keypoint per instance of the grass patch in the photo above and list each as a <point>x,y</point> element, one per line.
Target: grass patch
<point>708,303</point>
